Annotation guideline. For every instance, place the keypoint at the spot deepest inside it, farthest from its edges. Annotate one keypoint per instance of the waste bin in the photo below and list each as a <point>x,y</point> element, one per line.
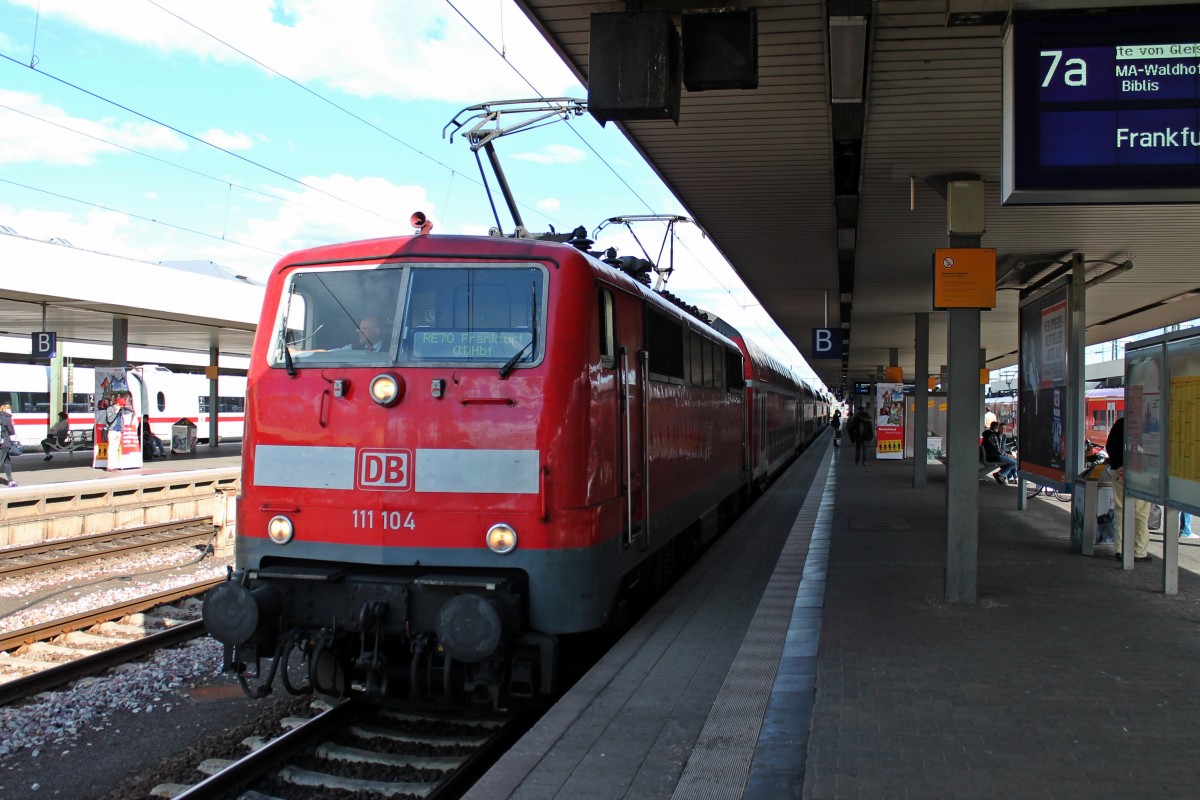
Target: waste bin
<point>183,436</point>
<point>1092,519</point>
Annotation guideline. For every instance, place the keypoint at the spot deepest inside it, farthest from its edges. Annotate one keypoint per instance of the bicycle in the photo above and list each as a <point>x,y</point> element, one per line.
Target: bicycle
<point>1050,491</point>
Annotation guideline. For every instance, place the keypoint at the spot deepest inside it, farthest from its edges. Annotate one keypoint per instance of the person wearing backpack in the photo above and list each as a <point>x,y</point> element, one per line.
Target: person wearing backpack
<point>861,433</point>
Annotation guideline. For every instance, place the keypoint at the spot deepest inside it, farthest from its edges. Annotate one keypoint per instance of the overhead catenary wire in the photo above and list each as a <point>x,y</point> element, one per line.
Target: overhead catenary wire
<point>199,139</point>
<point>322,97</point>
<point>136,216</point>
<point>160,160</point>
<point>588,144</point>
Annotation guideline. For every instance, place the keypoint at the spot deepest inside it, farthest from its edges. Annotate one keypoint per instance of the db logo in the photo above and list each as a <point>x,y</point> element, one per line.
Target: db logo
<point>383,469</point>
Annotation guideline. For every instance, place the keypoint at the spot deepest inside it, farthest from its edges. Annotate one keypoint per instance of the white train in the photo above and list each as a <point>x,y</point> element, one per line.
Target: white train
<point>165,395</point>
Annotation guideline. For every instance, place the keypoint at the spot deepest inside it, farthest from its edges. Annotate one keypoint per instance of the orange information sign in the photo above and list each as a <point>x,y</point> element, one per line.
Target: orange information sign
<point>964,277</point>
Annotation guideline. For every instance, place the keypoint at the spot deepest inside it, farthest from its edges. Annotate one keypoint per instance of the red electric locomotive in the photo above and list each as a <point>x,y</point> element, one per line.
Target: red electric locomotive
<point>459,449</point>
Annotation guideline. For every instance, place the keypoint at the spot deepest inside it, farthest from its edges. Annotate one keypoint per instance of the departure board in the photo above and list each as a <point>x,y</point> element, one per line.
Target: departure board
<point>1102,108</point>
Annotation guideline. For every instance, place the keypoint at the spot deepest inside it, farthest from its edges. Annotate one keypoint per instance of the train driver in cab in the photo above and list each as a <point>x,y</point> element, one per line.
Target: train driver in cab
<point>370,336</point>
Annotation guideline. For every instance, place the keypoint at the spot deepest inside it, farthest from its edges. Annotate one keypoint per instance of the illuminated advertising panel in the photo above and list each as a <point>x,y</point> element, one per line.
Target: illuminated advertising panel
<point>1043,380</point>
<point>1144,421</point>
<point>1102,108</point>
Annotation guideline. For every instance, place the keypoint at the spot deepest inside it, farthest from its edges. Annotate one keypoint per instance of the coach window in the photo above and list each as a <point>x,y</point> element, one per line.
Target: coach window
<point>734,379</point>
<point>608,344</point>
<point>706,353</point>
<point>696,359</point>
<point>664,340</point>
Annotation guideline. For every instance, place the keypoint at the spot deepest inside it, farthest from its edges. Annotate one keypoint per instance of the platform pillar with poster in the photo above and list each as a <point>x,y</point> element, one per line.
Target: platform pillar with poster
<point>889,420</point>
<point>117,436</point>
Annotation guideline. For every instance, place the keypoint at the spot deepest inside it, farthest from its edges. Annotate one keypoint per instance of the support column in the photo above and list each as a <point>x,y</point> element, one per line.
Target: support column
<point>964,228</point>
<point>214,410</point>
<point>920,421</point>
<point>120,342</point>
<point>1076,386</point>
<point>962,455</point>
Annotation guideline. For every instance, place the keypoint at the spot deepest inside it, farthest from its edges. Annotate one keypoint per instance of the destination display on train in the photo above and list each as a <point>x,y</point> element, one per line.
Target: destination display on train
<point>476,345</point>
<point>1103,108</point>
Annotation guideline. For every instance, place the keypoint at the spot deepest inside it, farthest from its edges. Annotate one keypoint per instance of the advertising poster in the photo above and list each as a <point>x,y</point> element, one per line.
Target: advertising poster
<point>1143,420</point>
<point>1043,386</point>
<point>118,443</point>
<point>1183,423</point>
<point>889,420</point>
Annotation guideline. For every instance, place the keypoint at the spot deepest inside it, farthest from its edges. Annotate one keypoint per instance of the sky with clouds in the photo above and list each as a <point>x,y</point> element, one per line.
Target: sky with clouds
<point>239,130</point>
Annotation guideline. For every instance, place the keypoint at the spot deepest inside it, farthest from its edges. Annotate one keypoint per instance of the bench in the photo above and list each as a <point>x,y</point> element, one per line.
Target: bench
<point>986,467</point>
<point>76,440</point>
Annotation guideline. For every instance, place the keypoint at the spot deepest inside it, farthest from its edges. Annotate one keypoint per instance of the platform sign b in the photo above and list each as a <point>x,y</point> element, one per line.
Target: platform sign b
<point>827,343</point>
<point>44,344</point>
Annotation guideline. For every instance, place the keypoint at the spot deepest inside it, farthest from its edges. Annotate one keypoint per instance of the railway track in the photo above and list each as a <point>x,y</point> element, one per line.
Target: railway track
<point>42,657</point>
<point>16,561</point>
<point>352,748</point>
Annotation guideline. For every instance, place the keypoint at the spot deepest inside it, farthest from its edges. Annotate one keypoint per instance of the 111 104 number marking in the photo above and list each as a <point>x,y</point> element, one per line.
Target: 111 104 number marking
<point>389,520</point>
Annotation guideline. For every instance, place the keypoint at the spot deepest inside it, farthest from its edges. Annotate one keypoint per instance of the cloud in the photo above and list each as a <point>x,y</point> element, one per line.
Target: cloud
<point>99,230</point>
<point>32,130</point>
<point>554,154</point>
<point>549,204</point>
<point>314,218</point>
<point>407,51</point>
<point>228,141</point>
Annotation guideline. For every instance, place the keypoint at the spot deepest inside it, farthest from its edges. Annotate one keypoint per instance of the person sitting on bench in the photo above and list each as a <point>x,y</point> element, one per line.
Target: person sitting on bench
<point>993,451</point>
<point>60,435</point>
<point>152,446</point>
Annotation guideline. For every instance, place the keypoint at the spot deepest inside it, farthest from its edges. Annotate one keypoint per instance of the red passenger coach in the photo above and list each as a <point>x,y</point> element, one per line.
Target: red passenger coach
<point>459,449</point>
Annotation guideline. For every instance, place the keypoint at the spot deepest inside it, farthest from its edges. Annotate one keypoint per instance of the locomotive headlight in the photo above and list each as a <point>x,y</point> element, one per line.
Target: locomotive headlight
<point>280,529</point>
<point>386,389</point>
<point>501,538</point>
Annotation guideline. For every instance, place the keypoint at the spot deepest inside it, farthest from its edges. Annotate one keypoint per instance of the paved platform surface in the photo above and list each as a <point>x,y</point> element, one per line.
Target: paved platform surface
<point>30,469</point>
<point>1069,678</point>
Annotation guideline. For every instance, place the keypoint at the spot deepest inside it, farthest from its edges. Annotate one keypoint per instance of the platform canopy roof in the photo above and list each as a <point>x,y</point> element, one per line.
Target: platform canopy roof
<point>811,199</point>
<point>77,293</point>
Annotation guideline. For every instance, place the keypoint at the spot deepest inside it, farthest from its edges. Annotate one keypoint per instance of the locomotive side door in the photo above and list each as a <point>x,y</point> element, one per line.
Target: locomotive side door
<point>626,324</point>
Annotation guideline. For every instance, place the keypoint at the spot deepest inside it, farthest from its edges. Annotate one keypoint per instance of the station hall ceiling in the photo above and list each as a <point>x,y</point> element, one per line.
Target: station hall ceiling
<point>839,205</point>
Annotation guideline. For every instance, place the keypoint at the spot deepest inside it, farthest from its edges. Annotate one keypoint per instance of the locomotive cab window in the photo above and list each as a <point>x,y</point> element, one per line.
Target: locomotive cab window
<point>475,315</point>
<point>338,316</point>
<point>411,314</point>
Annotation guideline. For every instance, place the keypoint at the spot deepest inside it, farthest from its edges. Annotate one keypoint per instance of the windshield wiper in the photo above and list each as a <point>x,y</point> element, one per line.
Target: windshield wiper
<point>512,362</point>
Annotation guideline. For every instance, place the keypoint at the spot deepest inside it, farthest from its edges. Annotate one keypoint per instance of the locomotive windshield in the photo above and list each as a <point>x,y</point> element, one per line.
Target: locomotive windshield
<point>412,314</point>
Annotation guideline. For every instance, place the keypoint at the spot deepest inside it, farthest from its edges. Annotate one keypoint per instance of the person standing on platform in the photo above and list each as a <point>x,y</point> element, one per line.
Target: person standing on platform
<point>861,432</point>
<point>7,434</point>
<point>1185,526</point>
<point>1141,509</point>
<point>836,424</point>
